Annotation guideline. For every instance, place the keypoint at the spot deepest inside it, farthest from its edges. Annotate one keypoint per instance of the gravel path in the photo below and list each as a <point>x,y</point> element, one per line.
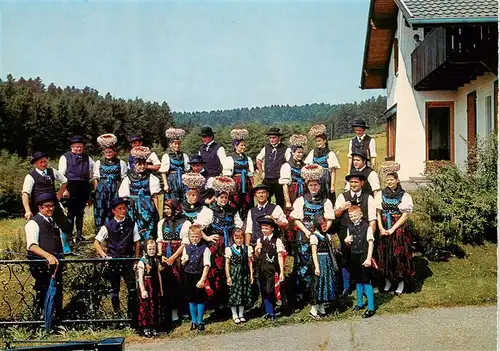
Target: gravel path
<point>464,328</point>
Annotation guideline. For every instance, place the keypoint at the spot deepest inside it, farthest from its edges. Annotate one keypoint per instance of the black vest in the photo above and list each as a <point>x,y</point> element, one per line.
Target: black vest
<point>43,184</point>
<point>195,261</point>
<point>367,188</point>
<point>49,238</point>
<point>256,215</point>
<point>77,166</point>
<point>269,252</point>
<point>362,202</point>
<point>120,238</point>
<point>361,145</point>
<point>274,160</point>
<point>213,167</point>
<point>359,245</point>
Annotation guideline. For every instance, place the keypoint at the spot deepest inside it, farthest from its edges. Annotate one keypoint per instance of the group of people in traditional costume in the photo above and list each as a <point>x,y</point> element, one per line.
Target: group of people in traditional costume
<point>219,241</point>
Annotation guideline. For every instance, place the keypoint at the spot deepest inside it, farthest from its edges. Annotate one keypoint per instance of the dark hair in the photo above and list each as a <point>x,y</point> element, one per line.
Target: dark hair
<point>392,174</point>
<point>318,221</point>
<point>238,231</point>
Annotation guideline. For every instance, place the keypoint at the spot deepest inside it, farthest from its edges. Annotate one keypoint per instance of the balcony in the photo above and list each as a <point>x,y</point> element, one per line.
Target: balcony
<point>450,57</point>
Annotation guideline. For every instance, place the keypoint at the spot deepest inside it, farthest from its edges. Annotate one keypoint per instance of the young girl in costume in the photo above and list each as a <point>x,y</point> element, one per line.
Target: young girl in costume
<point>174,164</point>
<point>360,239</point>
<point>196,262</point>
<point>172,238</point>
<point>269,250</point>
<point>239,276</point>
<point>150,288</point>
<point>324,287</point>
<point>240,167</point>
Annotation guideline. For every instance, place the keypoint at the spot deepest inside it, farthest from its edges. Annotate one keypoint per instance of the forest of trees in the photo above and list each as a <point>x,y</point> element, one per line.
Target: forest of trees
<point>35,117</point>
<point>336,117</point>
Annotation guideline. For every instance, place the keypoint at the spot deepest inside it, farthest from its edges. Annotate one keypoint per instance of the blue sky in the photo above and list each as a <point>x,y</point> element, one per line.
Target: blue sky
<point>193,55</point>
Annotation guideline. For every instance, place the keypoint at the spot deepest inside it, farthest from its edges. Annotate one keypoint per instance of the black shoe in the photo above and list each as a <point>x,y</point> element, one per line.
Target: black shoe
<point>194,326</point>
<point>358,308</point>
<point>201,327</point>
<point>368,314</point>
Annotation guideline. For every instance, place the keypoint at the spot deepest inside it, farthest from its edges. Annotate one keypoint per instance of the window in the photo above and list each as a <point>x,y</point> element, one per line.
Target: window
<point>488,110</point>
<point>495,106</point>
<point>391,137</point>
<point>439,131</point>
<point>395,53</point>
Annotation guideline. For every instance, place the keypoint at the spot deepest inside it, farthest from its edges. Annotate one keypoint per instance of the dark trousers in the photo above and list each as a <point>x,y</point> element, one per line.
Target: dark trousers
<point>275,189</point>
<point>116,272</point>
<point>79,193</point>
<point>42,273</point>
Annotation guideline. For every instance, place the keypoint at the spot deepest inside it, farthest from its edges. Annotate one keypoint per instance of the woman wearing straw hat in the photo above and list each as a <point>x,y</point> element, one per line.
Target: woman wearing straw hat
<point>304,210</point>
<point>108,173</point>
<point>174,163</point>
<point>192,207</point>
<point>240,167</point>
<point>321,155</point>
<point>142,188</point>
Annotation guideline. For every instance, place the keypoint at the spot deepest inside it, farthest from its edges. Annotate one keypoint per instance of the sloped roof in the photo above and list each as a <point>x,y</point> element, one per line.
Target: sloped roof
<point>433,11</point>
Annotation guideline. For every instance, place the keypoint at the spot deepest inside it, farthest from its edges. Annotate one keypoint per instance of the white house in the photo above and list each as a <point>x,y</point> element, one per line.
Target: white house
<point>438,60</point>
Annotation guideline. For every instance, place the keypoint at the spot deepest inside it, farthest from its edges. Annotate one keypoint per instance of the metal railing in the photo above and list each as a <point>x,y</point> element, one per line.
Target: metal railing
<point>85,290</point>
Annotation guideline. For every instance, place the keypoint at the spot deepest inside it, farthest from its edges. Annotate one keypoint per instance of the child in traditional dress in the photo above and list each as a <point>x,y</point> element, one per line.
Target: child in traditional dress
<point>360,239</point>
<point>239,276</point>
<point>324,287</point>
<point>151,290</point>
<point>269,251</point>
<point>196,262</point>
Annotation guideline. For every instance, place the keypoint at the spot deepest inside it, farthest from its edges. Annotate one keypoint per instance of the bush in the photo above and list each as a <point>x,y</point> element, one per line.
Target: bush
<point>13,169</point>
<point>458,206</point>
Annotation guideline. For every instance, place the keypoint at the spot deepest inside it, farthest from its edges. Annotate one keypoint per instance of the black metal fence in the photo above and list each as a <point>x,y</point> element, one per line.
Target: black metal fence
<point>86,292</point>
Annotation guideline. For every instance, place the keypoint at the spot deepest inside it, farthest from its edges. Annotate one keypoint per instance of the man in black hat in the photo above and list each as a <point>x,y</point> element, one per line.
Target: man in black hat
<point>372,184</point>
<point>361,141</point>
<point>78,167</point>
<point>271,158</point>
<point>211,152</point>
<point>41,180</point>
<point>355,196</point>
<point>262,209</point>
<point>122,239</point>
<point>153,163</point>
<point>43,241</point>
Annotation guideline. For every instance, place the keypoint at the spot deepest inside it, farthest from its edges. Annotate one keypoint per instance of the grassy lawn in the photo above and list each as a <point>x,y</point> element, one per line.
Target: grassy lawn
<point>458,282</point>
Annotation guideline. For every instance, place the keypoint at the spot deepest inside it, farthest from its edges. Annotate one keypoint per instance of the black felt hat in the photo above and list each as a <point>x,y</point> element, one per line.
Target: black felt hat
<point>274,131</point>
<point>135,137</point>
<point>37,155</point>
<point>359,123</point>
<point>118,201</point>
<point>360,152</point>
<point>260,187</point>
<point>195,159</point>
<point>78,139</point>
<point>355,174</point>
<point>267,220</point>
<point>45,197</point>
<point>206,131</point>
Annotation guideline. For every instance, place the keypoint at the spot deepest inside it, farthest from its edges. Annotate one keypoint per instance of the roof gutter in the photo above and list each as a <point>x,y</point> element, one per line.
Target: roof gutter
<point>443,21</point>
<point>367,43</point>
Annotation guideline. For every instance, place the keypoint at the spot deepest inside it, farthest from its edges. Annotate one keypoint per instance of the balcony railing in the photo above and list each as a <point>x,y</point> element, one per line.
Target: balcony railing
<point>457,54</point>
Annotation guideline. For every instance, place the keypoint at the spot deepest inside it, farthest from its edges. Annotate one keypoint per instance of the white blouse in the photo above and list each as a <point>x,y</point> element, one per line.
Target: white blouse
<point>97,171</point>
<point>154,186</point>
<point>406,204</point>
<point>285,174</point>
<point>313,240</point>
<point>298,209</point>
<point>332,160</point>
<point>184,233</point>
<point>165,163</point>
<point>228,252</point>
<point>228,167</point>
<point>205,218</point>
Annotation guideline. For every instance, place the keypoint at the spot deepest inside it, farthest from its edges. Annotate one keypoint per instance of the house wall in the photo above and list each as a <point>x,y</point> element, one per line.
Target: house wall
<point>484,87</point>
<point>411,104</point>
